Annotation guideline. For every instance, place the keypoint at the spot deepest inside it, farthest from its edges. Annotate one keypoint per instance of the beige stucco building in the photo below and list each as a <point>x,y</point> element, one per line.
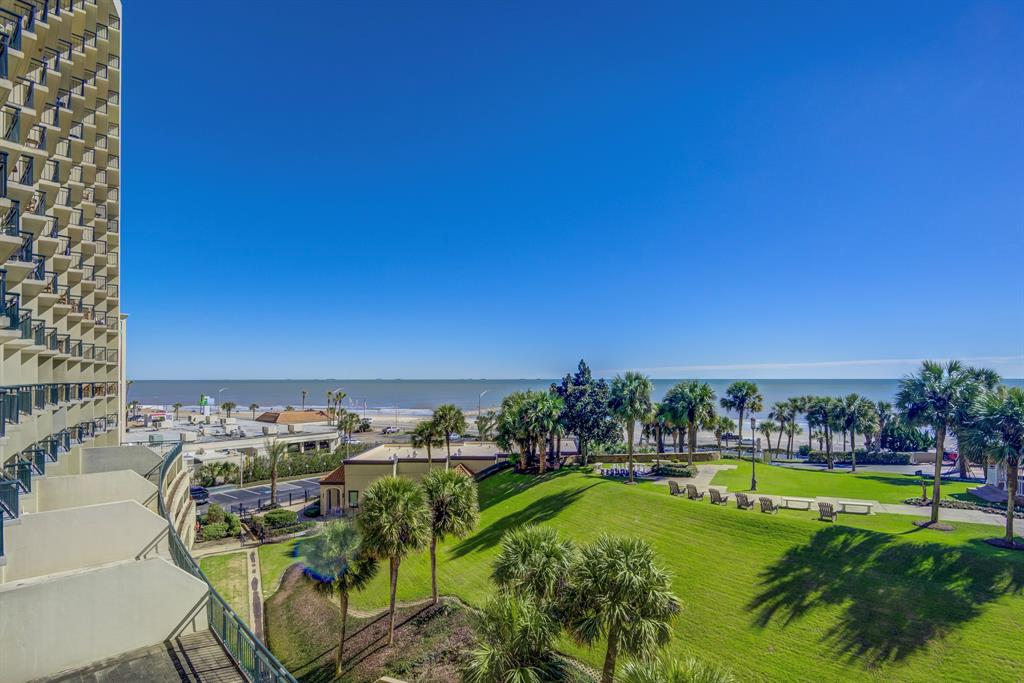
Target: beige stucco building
<point>341,491</point>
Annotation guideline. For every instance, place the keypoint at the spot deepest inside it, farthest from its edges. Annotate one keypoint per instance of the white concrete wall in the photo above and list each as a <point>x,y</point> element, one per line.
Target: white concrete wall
<point>62,540</point>
<point>57,493</point>
<point>67,621</point>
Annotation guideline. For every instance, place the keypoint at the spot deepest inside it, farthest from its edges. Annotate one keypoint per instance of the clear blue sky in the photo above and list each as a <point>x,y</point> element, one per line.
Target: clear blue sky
<point>483,189</point>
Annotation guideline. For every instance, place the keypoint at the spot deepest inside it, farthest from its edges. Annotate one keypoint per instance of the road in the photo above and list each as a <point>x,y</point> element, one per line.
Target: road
<point>235,499</point>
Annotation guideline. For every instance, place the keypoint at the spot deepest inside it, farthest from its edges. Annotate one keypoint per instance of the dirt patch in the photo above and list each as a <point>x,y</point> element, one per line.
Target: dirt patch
<point>934,526</point>
<point>303,625</point>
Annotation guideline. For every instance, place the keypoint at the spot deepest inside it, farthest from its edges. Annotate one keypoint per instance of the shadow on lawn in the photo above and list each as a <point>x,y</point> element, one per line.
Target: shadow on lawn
<point>504,485</point>
<point>895,597</point>
<point>537,512</point>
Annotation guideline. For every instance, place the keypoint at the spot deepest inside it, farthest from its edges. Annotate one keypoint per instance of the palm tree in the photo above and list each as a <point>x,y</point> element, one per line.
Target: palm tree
<point>544,416</point>
<point>987,381</point>
<point>485,423</point>
<point>513,433</point>
<point>450,420</point>
<point>722,425</point>
<point>630,401</point>
<point>514,643</point>
<point>535,562</point>
<point>622,596</point>
<point>275,452</point>
<point>303,399</point>
<point>931,399</point>
<point>337,562</point>
<point>995,431</point>
<point>254,407</point>
<point>427,435</point>
<point>767,428</point>
<point>885,420</point>
<point>454,510</point>
<point>228,406</point>
<point>666,670</point>
<point>783,413</point>
<point>692,405</point>
<point>741,397</point>
<point>176,407</point>
<point>394,522</point>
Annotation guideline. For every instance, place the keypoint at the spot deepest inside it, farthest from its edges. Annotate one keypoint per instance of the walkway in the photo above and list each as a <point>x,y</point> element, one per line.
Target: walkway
<point>194,658</point>
<point>707,472</point>
<point>256,593</point>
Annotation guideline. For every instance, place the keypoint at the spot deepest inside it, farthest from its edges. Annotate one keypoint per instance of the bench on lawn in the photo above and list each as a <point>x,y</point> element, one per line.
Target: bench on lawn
<point>794,503</point>
<point>768,505</point>
<point>827,513</point>
<point>693,494</point>
<point>860,506</point>
<point>673,488</point>
<point>718,498</point>
<point>742,502</point>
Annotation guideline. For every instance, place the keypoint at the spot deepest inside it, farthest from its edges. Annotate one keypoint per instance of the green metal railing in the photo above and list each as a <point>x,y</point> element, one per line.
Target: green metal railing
<point>251,656</point>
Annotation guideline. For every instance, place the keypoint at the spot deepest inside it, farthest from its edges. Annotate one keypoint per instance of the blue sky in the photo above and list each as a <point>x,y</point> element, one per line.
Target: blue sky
<point>483,189</point>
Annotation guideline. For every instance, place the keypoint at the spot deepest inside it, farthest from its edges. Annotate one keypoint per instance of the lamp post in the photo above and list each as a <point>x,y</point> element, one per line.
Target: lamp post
<point>753,456</point>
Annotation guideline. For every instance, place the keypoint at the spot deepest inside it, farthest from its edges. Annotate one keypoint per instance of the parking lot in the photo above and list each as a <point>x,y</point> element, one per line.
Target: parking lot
<point>239,500</point>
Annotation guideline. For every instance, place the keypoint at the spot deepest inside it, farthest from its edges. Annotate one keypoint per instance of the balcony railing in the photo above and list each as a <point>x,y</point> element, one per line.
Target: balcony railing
<point>251,655</point>
<point>10,123</point>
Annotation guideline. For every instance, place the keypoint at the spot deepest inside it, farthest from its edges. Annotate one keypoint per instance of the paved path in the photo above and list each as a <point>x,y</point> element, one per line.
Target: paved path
<point>288,492</point>
<point>706,473</point>
<point>256,593</point>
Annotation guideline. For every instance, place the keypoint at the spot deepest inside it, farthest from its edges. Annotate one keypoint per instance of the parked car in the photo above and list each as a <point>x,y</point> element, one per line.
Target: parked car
<point>389,430</point>
<point>199,494</point>
<point>350,440</point>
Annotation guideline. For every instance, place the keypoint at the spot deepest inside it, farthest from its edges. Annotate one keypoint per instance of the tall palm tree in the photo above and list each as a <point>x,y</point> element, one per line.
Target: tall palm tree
<point>514,643</point>
<point>741,397</point>
<point>630,400</point>
<point>766,428</point>
<point>228,406</point>
<point>886,417</point>
<point>622,596</point>
<point>995,431</point>
<point>667,670</point>
<point>931,399</point>
<point>692,405</point>
<point>544,418</point>
<point>176,407</point>
<point>427,435</point>
<point>450,420</point>
<point>394,522</point>
<point>513,431</point>
<point>337,562</point>
<point>454,510</point>
<point>782,413</point>
<point>986,381</point>
<point>536,562</point>
<point>723,424</point>
<point>254,407</point>
<point>276,451</point>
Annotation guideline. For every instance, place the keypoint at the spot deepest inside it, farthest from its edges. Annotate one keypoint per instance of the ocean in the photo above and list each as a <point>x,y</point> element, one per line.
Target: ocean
<point>421,396</point>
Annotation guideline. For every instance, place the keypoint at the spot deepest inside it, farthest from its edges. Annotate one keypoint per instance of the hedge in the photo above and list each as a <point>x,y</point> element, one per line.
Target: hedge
<point>675,470</point>
<point>619,458</point>
<point>1018,511</point>
<point>863,458</point>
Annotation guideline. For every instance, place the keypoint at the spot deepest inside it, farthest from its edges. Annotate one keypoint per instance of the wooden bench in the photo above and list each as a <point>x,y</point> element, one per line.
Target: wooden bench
<point>742,502</point>
<point>768,505</point>
<point>827,513</point>
<point>794,503</point>
<point>718,498</point>
<point>693,494</point>
<point>673,488</point>
<point>862,507</point>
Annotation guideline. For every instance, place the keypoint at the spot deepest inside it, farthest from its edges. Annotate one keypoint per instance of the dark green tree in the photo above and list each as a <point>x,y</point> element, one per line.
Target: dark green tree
<point>586,414</point>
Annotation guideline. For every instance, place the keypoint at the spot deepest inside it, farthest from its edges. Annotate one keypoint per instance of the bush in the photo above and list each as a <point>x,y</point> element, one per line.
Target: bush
<point>675,470</point>
<point>313,510</point>
<point>294,528</point>
<point>295,464</point>
<point>281,518</point>
<point>214,514</point>
<point>952,503</point>
<point>212,532</point>
<point>863,457</point>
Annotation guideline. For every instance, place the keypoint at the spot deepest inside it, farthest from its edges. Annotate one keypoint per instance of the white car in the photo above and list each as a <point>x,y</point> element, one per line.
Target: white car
<point>350,440</point>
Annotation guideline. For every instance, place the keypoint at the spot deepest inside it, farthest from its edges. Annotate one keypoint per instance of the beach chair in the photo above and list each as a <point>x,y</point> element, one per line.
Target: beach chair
<point>717,498</point>
<point>693,494</point>
<point>742,502</point>
<point>673,488</point>
<point>827,513</point>
<point>768,505</point>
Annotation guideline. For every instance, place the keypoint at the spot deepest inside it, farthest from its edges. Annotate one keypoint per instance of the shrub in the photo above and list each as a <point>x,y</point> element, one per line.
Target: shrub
<point>211,532</point>
<point>312,510</point>
<point>863,457</point>
<point>214,514</point>
<point>281,518</point>
<point>675,470</point>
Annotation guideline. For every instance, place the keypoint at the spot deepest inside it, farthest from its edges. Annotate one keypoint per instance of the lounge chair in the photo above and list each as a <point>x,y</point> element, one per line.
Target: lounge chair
<point>717,498</point>
<point>742,502</point>
<point>768,505</point>
<point>673,488</point>
<point>827,513</point>
<point>693,494</point>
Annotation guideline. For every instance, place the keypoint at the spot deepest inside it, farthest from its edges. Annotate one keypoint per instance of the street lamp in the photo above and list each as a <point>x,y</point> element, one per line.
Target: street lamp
<point>753,457</point>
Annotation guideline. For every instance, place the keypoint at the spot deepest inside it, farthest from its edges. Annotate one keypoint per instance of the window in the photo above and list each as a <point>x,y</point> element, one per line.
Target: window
<point>353,499</point>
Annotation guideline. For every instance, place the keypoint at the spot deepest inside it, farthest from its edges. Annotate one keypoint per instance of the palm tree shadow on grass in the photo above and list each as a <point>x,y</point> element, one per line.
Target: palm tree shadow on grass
<point>506,485</point>
<point>895,597</point>
<point>542,510</point>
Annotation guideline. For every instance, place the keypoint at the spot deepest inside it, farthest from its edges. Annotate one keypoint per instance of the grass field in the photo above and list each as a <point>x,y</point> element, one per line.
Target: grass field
<point>785,481</point>
<point>229,575</point>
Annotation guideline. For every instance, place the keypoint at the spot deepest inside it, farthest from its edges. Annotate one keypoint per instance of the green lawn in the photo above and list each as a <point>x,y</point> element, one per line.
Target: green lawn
<point>773,597</point>
<point>274,559</point>
<point>229,575</point>
<point>785,481</point>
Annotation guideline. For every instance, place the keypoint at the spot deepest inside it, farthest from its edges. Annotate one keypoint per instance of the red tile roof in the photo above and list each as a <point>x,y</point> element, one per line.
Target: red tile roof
<point>335,477</point>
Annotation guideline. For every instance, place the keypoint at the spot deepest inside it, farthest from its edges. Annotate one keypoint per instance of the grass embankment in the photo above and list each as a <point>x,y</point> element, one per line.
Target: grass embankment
<point>786,481</point>
<point>228,573</point>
